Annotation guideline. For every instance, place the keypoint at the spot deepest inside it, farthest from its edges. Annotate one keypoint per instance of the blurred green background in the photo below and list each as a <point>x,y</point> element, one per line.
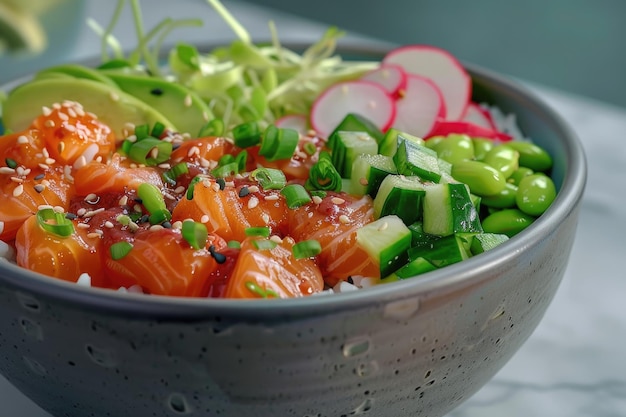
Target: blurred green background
<point>573,45</point>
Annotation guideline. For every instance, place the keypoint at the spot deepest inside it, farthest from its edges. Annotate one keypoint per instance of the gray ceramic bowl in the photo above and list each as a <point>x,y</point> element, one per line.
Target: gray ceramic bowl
<point>414,348</point>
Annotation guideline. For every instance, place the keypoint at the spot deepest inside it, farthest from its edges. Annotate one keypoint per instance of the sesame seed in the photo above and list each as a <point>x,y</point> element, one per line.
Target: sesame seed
<point>46,183</point>
<point>337,200</point>
<point>79,111</point>
<point>49,123</point>
<point>39,176</point>
<point>177,225</point>
<point>123,200</point>
<point>71,112</point>
<point>91,213</point>
<point>229,183</point>
<point>93,235</point>
<point>81,212</point>
<point>39,188</point>
<point>56,106</point>
<point>64,117</point>
<point>137,208</point>
<point>21,139</point>
<point>7,170</point>
<point>44,167</point>
<point>109,225</point>
<point>17,179</point>
<point>99,159</point>
<point>344,219</point>
<point>46,111</point>
<point>215,187</point>
<point>310,214</point>
<point>133,226</point>
<point>253,202</point>
<point>194,150</point>
<point>244,191</point>
<point>169,196</point>
<point>205,163</point>
<point>90,197</point>
<point>276,239</point>
<point>154,153</point>
<point>363,181</point>
<point>113,96</point>
<point>383,226</point>
<point>58,209</point>
<point>179,190</point>
<point>70,128</point>
<point>266,218</point>
<point>271,197</point>
<point>61,147</point>
<point>253,189</point>
<point>188,101</point>
<point>70,216</point>
<point>17,191</point>
<point>164,165</point>
<point>317,199</point>
<point>82,225</point>
<point>50,161</point>
<point>155,227</point>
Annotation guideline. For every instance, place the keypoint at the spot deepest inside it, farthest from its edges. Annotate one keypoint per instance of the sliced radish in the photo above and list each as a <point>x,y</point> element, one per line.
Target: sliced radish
<point>293,121</point>
<point>446,127</point>
<point>419,107</point>
<point>365,98</point>
<point>479,116</point>
<point>389,76</point>
<point>441,67</point>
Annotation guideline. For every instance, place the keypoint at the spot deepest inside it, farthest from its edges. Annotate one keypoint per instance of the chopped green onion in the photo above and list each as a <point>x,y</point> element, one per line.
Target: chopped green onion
<point>269,178</point>
<point>126,145</point>
<point>188,55</point>
<point>214,127</point>
<point>264,244</point>
<point>157,130</point>
<point>263,293</point>
<point>143,151</point>
<point>11,163</point>
<point>241,160</point>
<point>279,143</point>
<point>195,233</point>
<point>247,134</point>
<point>142,132</point>
<point>306,249</point>
<point>114,64</point>
<point>226,170</point>
<point>235,244</point>
<point>262,231</point>
<point>171,175</point>
<point>153,201</point>
<point>323,175</point>
<point>296,195</point>
<point>225,159</point>
<point>192,186</point>
<point>309,148</point>
<point>119,250</point>
<point>54,222</point>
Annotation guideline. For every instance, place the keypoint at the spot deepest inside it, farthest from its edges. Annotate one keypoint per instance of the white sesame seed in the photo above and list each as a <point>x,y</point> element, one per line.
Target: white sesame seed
<point>56,106</point>
<point>266,218</point>
<point>44,167</point>
<point>164,165</point>
<point>93,235</point>
<point>84,280</point>
<point>338,200</point>
<point>50,161</point>
<point>7,170</point>
<point>177,225</point>
<point>194,150</point>
<point>310,214</point>
<point>383,226</point>
<point>123,200</point>
<point>271,197</point>
<point>70,128</point>
<point>363,181</point>
<point>155,227</point>
<point>229,183</point>
<point>99,159</point>
<point>137,208</point>
<point>179,190</point>
<point>17,179</point>
<point>81,212</point>
<point>46,183</point>
<point>109,225</point>
<point>82,225</point>
<point>49,123</point>
<point>79,111</point>
<point>91,213</point>
<point>204,163</point>
<point>17,191</point>
<point>21,139</point>
<point>169,196</point>
<point>253,189</point>
<point>71,112</point>
<point>58,209</point>
<point>188,101</point>
<point>46,111</point>
<point>154,153</point>
<point>344,219</point>
<point>276,239</point>
<point>113,96</point>
<point>90,197</point>
<point>253,202</point>
<point>317,199</point>
<point>204,219</point>
<point>44,207</point>
<point>64,116</point>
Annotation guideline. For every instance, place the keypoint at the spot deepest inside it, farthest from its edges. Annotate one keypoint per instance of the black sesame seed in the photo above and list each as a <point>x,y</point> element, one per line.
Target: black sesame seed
<point>39,177</point>
<point>350,280</point>
<point>71,216</point>
<point>244,191</point>
<point>176,146</point>
<point>144,219</point>
<point>220,258</point>
<point>156,92</point>
<point>138,200</point>
<point>167,225</point>
<point>221,182</point>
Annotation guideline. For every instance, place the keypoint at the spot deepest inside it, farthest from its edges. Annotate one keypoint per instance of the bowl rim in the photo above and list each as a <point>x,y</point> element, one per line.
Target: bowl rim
<point>452,278</point>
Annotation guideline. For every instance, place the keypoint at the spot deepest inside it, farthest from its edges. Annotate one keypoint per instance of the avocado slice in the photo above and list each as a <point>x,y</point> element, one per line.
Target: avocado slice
<point>76,71</point>
<point>114,107</point>
<point>184,107</point>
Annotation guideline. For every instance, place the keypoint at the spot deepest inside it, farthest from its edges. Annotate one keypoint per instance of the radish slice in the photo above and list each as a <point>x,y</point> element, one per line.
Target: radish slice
<point>479,116</point>
<point>389,76</point>
<point>419,107</point>
<point>441,67</point>
<point>297,122</point>
<point>446,127</point>
<point>365,98</point>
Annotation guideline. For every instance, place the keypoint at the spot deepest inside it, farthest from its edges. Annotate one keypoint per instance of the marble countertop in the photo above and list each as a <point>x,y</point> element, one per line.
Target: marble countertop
<point>574,364</point>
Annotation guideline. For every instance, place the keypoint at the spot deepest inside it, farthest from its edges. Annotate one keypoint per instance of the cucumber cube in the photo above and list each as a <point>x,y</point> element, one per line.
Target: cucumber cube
<point>356,123</point>
<point>415,159</point>
<point>368,171</point>
<point>401,196</point>
<point>386,241</point>
<point>448,209</point>
<point>442,252</point>
<point>348,145</point>
<point>389,145</point>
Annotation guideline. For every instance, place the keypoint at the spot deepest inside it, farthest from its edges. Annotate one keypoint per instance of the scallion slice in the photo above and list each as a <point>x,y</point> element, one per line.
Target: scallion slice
<point>323,175</point>
<point>142,132</point>
<point>278,143</point>
<point>269,178</point>
<point>143,151</point>
<point>226,170</point>
<point>195,233</point>
<point>306,249</point>
<point>172,174</point>
<point>153,201</point>
<point>262,231</point>
<point>192,186</point>
<point>55,222</point>
<point>296,195</point>
<point>157,130</point>
<point>264,244</point>
<point>235,244</point>
<point>263,293</point>
<point>119,250</point>
<point>247,134</point>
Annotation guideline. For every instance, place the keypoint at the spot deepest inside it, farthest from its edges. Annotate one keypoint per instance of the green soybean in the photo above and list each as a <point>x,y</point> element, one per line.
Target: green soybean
<point>433,141</point>
<point>481,147</point>
<point>508,222</point>
<point>503,158</point>
<point>518,174</point>
<point>454,148</point>
<point>482,179</point>
<point>532,156</point>
<point>535,194</point>
<point>504,199</point>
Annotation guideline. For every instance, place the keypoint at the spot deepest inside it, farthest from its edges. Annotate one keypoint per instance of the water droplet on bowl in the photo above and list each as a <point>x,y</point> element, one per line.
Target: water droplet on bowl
<point>366,369</point>
<point>34,366</point>
<point>31,328</point>
<point>401,309</point>
<point>355,347</point>
<point>29,302</point>
<point>364,407</point>
<point>178,403</point>
<point>100,356</point>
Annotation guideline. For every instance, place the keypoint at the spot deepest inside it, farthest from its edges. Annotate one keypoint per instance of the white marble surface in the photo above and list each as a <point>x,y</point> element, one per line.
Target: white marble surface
<point>574,365</point>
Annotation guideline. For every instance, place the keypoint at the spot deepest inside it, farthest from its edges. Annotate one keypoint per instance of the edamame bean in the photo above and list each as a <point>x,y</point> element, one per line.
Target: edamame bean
<point>432,141</point>
<point>535,194</point>
<point>518,174</point>
<point>503,158</point>
<point>508,222</point>
<point>504,199</point>
<point>455,148</point>
<point>532,156</point>
<point>481,147</point>
<point>481,178</point>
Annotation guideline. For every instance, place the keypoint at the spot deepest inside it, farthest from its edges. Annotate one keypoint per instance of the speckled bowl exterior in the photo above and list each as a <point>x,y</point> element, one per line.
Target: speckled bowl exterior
<point>413,348</point>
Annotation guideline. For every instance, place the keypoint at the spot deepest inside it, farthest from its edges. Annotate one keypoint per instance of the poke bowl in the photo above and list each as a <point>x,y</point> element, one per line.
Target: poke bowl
<point>415,346</point>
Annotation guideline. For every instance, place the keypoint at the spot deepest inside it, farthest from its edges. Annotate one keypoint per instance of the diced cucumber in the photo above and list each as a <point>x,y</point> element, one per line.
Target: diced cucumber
<point>386,241</point>
<point>442,252</point>
<point>448,209</point>
<point>347,146</point>
<point>368,171</point>
<point>419,237</point>
<point>402,196</point>
<point>414,159</point>
<point>415,267</point>
<point>389,145</point>
<point>356,123</point>
<point>484,241</point>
